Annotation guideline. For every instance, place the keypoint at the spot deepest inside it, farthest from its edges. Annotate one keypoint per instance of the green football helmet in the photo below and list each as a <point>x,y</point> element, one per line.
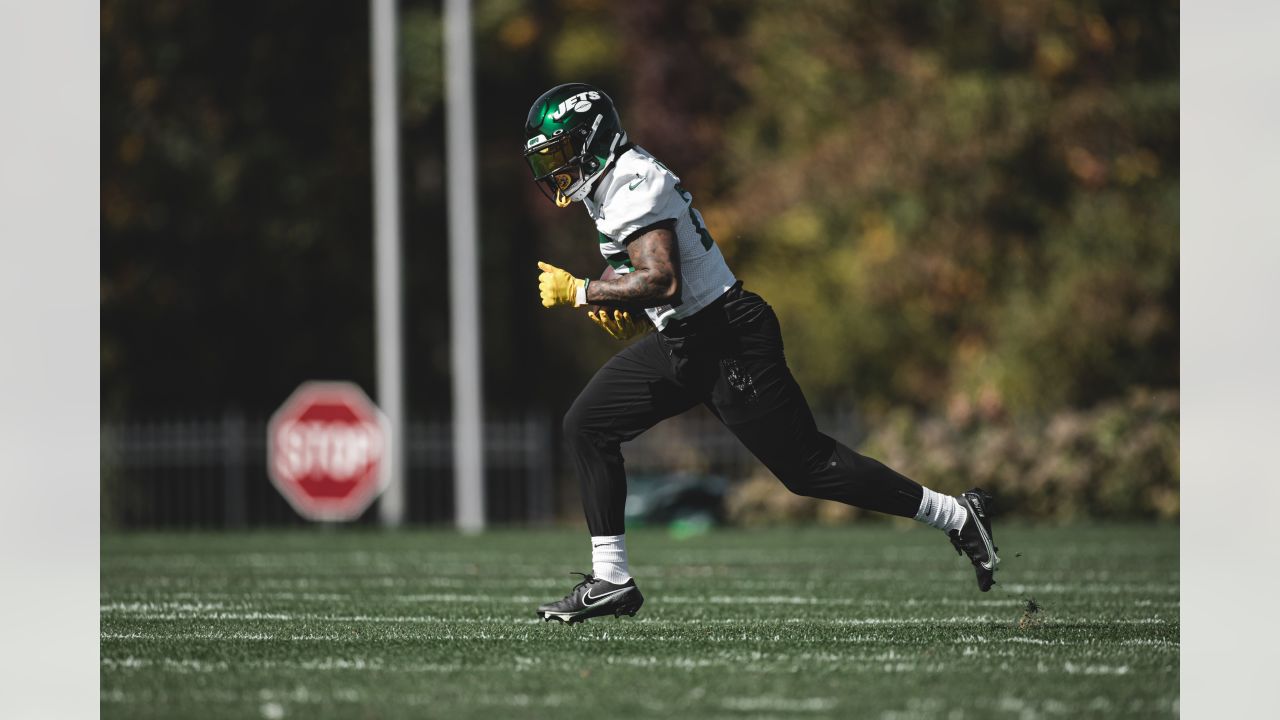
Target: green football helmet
<point>571,137</point>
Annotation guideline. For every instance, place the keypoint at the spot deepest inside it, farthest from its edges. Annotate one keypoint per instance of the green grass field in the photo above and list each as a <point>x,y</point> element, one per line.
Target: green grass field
<point>859,622</point>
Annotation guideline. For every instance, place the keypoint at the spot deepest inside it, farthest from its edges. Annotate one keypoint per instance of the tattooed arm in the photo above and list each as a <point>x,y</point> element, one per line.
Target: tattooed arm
<point>656,278</point>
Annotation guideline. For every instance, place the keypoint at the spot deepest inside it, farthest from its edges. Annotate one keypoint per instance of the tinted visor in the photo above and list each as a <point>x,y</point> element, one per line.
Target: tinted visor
<point>550,157</point>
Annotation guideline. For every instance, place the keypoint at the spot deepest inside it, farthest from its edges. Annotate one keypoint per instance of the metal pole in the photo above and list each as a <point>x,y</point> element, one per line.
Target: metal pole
<point>464,285</point>
<point>233,468</point>
<point>386,222</point>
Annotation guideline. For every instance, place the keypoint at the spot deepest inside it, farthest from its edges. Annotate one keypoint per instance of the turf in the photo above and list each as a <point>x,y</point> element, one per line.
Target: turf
<point>855,622</point>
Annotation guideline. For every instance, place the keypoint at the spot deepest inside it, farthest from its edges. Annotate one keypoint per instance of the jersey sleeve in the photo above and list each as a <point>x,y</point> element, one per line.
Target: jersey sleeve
<point>645,194</point>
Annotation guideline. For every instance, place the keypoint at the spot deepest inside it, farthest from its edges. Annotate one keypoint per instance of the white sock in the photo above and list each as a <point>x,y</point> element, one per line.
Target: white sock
<point>609,558</point>
<point>941,511</point>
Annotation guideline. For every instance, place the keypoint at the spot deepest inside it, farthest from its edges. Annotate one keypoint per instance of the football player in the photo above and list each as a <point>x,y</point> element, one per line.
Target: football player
<point>716,344</point>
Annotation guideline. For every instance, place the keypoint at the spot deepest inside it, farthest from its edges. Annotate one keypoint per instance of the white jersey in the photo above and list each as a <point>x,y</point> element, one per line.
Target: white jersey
<point>640,192</point>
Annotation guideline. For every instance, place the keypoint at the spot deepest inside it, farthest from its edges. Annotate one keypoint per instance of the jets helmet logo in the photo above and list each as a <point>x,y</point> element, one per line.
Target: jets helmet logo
<point>579,103</point>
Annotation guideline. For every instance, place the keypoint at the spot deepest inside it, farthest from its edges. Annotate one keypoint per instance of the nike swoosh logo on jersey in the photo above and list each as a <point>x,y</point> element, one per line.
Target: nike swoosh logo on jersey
<point>589,598</point>
<point>635,184</point>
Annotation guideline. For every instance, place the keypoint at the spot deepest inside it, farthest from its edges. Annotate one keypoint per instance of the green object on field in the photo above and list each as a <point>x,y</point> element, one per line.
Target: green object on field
<point>691,526</point>
<point>821,622</point>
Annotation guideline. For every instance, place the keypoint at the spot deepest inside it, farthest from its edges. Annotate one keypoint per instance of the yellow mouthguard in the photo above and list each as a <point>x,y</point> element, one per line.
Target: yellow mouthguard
<point>562,181</point>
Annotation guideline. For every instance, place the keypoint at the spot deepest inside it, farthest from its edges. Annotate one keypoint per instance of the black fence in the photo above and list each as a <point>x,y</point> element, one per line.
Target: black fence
<point>212,473</point>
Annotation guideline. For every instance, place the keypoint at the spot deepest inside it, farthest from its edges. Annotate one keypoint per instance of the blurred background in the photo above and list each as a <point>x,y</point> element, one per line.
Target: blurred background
<point>964,213</point>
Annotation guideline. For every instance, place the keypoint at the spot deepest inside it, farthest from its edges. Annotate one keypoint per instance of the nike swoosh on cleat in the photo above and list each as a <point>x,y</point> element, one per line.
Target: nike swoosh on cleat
<point>589,598</point>
<point>986,540</point>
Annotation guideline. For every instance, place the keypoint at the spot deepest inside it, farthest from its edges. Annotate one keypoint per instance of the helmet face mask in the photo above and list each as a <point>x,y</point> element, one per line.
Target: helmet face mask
<point>571,136</point>
<point>559,163</point>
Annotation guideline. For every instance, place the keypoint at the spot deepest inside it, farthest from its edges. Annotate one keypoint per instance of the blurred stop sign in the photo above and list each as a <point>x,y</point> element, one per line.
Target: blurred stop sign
<point>328,450</point>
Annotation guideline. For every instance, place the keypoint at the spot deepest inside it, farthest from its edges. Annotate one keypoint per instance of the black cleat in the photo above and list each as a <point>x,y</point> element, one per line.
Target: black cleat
<point>975,539</point>
<point>593,597</point>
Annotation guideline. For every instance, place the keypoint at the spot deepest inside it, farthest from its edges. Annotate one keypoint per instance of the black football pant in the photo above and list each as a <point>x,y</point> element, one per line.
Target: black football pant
<point>728,357</point>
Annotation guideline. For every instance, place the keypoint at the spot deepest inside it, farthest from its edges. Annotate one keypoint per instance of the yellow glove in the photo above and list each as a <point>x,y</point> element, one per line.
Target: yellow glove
<point>558,287</point>
<point>620,325</point>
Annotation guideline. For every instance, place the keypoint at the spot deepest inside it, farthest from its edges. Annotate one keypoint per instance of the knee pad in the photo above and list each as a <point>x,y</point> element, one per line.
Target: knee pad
<point>579,430</point>
<point>813,464</point>
<point>830,472</point>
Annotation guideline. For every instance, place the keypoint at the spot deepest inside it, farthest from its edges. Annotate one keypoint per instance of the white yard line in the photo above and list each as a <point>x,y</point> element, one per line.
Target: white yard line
<point>191,666</point>
<point>221,615</point>
<point>243,602</point>
<point>742,661</point>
